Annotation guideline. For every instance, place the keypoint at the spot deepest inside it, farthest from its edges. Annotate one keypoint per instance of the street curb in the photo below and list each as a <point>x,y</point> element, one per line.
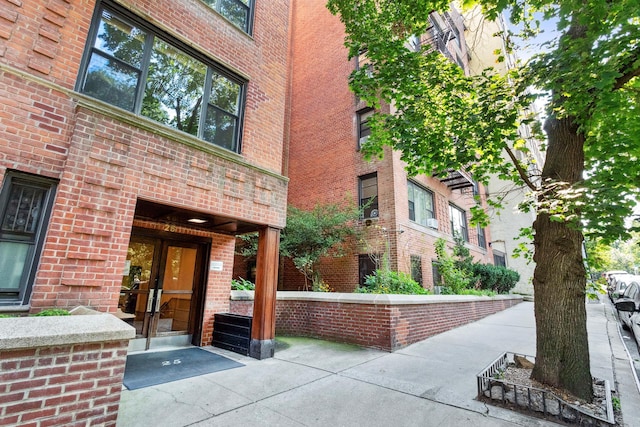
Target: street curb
<point>624,375</point>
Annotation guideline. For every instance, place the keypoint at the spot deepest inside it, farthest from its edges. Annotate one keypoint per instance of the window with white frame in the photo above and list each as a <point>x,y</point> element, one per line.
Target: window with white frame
<point>482,239</point>
<point>499,258</point>
<point>25,204</point>
<point>421,205</point>
<point>458,219</point>
<point>134,66</point>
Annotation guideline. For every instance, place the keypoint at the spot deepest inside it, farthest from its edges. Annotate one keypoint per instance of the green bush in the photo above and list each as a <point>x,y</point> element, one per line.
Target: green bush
<point>391,282</point>
<point>241,284</point>
<point>53,312</point>
<point>495,278</point>
<point>455,277</point>
<point>477,292</point>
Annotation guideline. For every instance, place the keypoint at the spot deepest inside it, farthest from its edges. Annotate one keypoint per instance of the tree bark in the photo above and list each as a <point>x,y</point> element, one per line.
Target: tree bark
<point>562,350</point>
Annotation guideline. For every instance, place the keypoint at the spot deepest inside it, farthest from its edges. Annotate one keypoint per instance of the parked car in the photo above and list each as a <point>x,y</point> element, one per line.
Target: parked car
<point>607,274</point>
<point>628,307</point>
<point>618,284</point>
<point>630,303</point>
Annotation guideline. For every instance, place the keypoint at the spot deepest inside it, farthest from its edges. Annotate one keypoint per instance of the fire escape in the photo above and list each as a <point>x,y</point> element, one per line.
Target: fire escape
<point>441,36</point>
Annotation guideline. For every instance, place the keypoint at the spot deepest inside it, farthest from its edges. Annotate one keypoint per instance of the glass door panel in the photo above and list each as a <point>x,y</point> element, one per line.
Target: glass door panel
<point>134,291</point>
<point>177,290</point>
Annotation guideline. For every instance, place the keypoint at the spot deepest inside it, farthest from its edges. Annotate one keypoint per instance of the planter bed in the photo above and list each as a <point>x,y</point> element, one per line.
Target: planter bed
<point>494,387</point>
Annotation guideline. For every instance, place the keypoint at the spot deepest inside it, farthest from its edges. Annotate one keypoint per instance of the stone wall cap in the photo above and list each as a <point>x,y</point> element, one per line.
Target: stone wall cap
<point>382,299</point>
<point>48,331</point>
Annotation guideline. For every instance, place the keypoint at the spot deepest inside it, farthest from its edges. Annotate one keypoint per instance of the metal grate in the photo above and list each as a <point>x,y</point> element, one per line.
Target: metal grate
<point>492,389</point>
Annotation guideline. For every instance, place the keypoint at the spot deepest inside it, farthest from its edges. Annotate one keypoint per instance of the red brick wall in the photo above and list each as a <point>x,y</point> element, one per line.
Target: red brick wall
<point>384,326</point>
<point>324,163</point>
<point>65,385</point>
<point>106,159</point>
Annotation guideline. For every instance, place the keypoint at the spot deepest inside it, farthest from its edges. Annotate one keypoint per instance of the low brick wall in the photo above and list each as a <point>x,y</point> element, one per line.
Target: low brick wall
<point>387,322</point>
<point>63,370</point>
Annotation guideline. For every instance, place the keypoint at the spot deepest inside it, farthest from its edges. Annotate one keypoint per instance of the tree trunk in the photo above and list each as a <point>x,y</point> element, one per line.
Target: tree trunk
<point>562,350</point>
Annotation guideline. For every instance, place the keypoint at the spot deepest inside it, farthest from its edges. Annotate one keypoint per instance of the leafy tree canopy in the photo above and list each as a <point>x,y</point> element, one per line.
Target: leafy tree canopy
<point>588,71</point>
<point>317,233</point>
<point>441,119</point>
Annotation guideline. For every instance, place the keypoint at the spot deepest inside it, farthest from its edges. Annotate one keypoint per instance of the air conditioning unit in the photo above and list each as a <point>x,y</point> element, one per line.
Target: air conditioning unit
<point>432,223</point>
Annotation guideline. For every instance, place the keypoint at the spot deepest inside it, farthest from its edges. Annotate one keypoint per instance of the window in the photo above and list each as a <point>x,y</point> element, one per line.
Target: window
<point>437,277</point>
<point>368,190</point>
<point>420,204</point>
<point>239,12</point>
<point>458,222</point>
<point>482,240</point>
<point>367,265</point>
<point>364,63</point>
<point>499,259</point>
<point>416,268</point>
<point>25,203</point>
<point>363,126</point>
<point>128,65</point>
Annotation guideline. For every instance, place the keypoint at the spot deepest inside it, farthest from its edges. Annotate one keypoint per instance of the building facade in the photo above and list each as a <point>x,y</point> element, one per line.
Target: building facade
<point>138,138</point>
<point>403,216</point>
<point>506,223</point>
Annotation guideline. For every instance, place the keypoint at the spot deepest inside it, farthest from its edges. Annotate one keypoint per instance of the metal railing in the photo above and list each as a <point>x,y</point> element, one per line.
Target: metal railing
<point>494,389</point>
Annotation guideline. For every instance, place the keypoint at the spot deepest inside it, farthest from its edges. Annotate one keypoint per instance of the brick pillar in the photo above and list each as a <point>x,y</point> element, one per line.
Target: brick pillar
<point>263,326</point>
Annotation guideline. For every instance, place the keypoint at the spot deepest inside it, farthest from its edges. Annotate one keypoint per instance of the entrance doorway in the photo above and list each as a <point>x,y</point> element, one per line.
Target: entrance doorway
<point>161,291</point>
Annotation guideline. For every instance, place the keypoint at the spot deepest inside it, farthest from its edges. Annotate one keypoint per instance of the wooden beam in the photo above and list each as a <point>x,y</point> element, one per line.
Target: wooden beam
<point>263,327</point>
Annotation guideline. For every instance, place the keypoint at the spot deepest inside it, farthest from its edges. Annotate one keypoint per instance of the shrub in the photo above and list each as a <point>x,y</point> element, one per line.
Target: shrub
<point>495,278</point>
<point>453,276</point>
<point>53,312</point>
<point>241,284</point>
<point>391,282</point>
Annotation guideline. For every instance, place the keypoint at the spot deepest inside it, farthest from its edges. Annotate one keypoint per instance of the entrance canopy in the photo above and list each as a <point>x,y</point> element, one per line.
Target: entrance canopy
<point>165,214</point>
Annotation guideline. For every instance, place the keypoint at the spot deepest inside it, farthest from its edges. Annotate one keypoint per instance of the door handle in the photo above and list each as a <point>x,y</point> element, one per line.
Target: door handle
<point>154,298</point>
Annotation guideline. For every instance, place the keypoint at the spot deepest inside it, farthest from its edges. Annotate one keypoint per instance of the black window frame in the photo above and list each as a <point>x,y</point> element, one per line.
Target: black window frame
<point>367,265</point>
<point>250,8</point>
<point>35,240</point>
<point>364,130</point>
<point>370,204</point>
<point>213,69</point>
<point>435,272</point>
<point>463,223</point>
<point>416,268</point>
<point>412,187</point>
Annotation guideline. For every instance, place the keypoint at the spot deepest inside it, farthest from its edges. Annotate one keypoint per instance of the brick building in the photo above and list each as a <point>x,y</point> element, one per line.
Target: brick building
<point>138,138</point>
<point>404,215</point>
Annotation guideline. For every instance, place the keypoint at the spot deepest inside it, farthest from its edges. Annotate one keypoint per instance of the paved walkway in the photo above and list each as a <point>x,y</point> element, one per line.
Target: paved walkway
<point>430,383</point>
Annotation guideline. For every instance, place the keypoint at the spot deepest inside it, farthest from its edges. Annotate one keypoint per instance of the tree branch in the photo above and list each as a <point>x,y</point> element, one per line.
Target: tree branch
<point>627,76</point>
<point>521,171</point>
<point>629,70</point>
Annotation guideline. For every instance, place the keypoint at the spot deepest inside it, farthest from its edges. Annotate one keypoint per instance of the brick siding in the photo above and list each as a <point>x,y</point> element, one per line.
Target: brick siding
<point>69,385</point>
<point>324,162</point>
<point>105,159</point>
<point>371,322</point>
<point>62,370</point>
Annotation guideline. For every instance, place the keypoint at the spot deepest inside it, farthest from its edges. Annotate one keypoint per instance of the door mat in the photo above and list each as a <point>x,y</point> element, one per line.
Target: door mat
<point>153,368</point>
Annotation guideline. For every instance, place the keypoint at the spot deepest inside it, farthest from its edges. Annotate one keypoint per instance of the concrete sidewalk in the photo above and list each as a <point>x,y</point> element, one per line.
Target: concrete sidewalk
<point>430,383</point>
